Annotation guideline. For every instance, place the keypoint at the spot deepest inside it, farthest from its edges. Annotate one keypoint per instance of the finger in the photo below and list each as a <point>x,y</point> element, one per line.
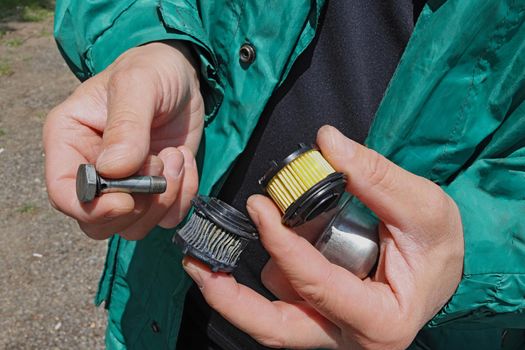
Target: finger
<point>333,291</point>
<point>126,138</point>
<point>311,230</point>
<point>69,143</point>
<point>153,166</point>
<point>397,196</point>
<point>277,283</point>
<point>275,324</point>
<point>159,205</point>
<point>190,183</point>
<point>272,277</point>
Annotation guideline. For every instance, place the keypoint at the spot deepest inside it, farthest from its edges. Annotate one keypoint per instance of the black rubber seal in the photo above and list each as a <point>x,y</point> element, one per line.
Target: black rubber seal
<point>322,197</point>
<point>225,216</point>
<point>275,167</point>
<point>214,264</point>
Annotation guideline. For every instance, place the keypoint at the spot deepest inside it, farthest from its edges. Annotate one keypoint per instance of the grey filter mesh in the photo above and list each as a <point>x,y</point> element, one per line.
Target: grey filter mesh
<point>211,240</point>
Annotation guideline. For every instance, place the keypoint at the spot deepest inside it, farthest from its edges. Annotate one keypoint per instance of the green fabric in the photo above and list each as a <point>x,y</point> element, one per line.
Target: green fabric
<point>453,113</point>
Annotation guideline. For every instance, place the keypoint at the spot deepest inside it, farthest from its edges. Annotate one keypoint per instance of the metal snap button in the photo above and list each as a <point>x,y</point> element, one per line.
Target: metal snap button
<point>247,53</point>
<point>155,327</point>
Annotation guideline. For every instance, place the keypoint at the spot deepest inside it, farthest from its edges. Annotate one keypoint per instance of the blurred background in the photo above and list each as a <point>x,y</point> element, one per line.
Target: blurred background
<point>48,269</point>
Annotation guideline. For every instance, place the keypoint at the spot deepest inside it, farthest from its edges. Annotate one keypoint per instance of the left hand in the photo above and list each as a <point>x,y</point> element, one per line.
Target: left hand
<point>324,305</point>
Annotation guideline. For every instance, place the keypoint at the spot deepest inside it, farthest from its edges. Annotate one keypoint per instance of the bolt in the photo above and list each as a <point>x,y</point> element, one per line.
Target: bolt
<point>90,184</point>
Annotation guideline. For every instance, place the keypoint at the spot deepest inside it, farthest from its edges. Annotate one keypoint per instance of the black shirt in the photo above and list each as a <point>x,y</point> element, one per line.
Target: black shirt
<point>339,80</point>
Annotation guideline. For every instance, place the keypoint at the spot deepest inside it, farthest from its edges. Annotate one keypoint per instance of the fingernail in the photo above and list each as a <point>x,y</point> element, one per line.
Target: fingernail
<point>192,270</point>
<point>110,155</point>
<point>336,143</point>
<point>253,214</point>
<point>189,158</point>
<point>174,164</point>
<point>332,137</point>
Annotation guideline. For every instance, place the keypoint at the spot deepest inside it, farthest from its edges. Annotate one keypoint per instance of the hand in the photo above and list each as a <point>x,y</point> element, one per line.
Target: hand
<point>324,305</point>
<point>143,114</point>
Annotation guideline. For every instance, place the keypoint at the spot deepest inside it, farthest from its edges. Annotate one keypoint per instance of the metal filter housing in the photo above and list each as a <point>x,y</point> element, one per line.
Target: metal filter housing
<point>351,240</point>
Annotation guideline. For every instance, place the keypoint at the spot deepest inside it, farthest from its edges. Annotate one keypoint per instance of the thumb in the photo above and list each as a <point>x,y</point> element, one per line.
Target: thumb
<point>126,139</point>
<point>397,196</point>
<point>333,291</point>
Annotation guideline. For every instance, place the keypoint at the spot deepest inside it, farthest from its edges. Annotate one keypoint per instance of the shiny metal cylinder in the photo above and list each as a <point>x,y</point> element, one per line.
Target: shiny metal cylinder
<point>351,240</point>
<point>135,184</point>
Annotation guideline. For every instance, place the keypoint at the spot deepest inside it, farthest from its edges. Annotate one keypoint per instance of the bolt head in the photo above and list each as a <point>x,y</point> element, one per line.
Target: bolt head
<point>86,183</point>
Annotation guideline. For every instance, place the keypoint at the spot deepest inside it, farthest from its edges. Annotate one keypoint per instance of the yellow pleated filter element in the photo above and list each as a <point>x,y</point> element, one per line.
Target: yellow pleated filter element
<point>297,177</point>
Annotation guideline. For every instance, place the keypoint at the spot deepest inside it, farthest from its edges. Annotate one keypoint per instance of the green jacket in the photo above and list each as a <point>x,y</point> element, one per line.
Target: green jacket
<point>454,112</point>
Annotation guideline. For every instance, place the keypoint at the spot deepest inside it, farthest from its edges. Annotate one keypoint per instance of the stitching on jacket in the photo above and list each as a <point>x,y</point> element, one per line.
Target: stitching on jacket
<point>112,329</point>
<point>146,304</point>
<point>243,5</point>
<point>111,276</point>
<point>494,273</point>
<point>87,52</point>
<point>443,317</point>
<point>471,92</point>
<point>419,26</point>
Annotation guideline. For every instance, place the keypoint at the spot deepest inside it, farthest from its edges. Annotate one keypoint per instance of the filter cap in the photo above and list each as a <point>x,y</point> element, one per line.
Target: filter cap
<point>322,197</point>
<point>225,216</point>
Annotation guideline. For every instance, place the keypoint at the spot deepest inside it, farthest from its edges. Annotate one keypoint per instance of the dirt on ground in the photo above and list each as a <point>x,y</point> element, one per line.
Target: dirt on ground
<point>48,268</point>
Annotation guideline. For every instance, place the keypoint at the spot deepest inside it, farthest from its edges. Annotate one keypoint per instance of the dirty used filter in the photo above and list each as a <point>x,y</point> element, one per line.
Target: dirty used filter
<point>303,185</point>
<point>216,234</point>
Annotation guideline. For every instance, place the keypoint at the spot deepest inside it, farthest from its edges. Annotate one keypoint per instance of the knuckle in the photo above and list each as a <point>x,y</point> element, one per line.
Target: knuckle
<point>123,121</point>
<point>378,169</point>
<point>316,292</point>
<point>121,129</point>
<point>126,77</point>
<point>437,205</point>
<point>278,336</point>
<point>313,293</point>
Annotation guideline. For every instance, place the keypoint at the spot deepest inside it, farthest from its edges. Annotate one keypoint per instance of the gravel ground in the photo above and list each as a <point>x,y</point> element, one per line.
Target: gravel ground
<point>48,269</point>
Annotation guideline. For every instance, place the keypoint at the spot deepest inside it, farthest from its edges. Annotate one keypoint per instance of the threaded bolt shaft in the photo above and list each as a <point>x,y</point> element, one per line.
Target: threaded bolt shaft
<point>90,184</point>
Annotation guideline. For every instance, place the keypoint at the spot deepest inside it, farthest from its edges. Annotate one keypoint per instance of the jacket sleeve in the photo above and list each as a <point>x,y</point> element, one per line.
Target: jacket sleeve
<point>92,34</point>
<point>455,113</point>
<point>490,194</point>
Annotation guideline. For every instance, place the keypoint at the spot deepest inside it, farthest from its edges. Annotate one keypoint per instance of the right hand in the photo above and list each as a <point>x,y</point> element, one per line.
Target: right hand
<point>143,114</point>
